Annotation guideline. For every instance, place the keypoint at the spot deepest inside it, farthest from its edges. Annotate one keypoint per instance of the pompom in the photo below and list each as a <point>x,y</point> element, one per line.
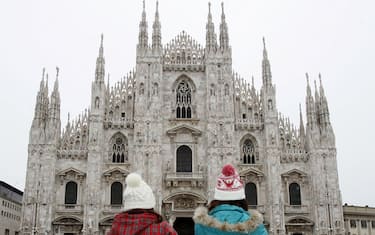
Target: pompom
<point>133,180</point>
<point>228,170</point>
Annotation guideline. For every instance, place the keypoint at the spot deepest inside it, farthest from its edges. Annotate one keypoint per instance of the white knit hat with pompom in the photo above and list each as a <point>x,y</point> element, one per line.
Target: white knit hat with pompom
<point>138,195</point>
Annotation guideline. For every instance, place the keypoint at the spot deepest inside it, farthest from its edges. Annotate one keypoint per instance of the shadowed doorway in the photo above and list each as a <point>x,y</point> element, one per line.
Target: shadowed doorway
<point>184,226</point>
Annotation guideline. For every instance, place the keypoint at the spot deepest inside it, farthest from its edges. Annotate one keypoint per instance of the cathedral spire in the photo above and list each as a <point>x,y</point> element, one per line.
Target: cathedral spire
<point>46,87</point>
<point>42,81</point>
<point>156,27</point>
<point>39,104</point>
<point>54,110</point>
<point>310,106</point>
<point>143,35</point>
<point>301,127</point>
<point>324,111</point>
<point>100,64</point>
<point>211,43</point>
<point>108,83</point>
<point>308,89</point>
<point>317,97</point>
<point>56,85</point>
<point>317,103</point>
<point>224,38</point>
<point>266,67</point>
<point>321,89</point>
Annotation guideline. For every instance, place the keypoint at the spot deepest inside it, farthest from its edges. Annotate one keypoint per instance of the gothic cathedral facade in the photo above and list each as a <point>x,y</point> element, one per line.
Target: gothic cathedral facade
<point>177,118</point>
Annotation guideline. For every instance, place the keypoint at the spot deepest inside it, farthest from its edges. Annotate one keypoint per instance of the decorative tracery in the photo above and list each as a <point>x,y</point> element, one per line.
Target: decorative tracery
<point>119,152</point>
<point>183,50</point>
<point>248,152</point>
<point>183,100</point>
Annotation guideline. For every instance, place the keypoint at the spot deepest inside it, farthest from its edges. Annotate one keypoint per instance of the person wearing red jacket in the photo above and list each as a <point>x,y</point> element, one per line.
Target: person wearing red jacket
<point>139,217</point>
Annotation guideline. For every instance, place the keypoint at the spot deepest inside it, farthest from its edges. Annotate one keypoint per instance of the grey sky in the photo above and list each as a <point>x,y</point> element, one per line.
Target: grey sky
<point>333,37</point>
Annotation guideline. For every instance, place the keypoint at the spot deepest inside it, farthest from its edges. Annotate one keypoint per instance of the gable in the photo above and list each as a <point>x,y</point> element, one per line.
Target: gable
<point>184,128</point>
<point>71,171</point>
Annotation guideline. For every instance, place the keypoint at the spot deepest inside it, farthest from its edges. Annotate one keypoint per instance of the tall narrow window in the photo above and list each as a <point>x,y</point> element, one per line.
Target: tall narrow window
<point>183,100</point>
<point>363,224</point>
<point>251,194</point>
<point>248,152</point>
<point>178,112</point>
<point>71,193</point>
<point>141,89</point>
<point>116,193</point>
<point>294,194</point>
<point>155,89</point>
<point>226,90</point>
<point>188,112</point>
<point>184,159</point>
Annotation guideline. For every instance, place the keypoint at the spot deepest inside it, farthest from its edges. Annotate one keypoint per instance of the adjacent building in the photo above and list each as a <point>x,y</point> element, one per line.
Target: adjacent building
<point>359,220</point>
<point>177,118</point>
<point>11,204</point>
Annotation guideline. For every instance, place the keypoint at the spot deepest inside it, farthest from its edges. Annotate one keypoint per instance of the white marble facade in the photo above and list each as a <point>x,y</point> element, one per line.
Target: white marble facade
<point>182,100</point>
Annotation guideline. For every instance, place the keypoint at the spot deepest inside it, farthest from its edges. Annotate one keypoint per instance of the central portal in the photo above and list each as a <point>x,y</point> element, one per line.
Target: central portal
<point>184,225</point>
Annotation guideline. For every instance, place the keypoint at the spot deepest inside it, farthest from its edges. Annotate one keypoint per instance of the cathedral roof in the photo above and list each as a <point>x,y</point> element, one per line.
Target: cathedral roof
<point>183,50</point>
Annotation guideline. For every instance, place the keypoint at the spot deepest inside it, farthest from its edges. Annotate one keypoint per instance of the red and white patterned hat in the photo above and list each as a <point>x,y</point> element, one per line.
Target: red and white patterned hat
<point>229,186</point>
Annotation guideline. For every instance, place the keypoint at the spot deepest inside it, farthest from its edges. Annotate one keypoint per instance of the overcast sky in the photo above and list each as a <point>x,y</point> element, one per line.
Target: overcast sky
<point>335,38</point>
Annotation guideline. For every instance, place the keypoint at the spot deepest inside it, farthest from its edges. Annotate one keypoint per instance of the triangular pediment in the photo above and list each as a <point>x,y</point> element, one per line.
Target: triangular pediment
<point>71,171</point>
<point>184,128</point>
<point>294,172</point>
<point>251,170</point>
<point>116,170</point>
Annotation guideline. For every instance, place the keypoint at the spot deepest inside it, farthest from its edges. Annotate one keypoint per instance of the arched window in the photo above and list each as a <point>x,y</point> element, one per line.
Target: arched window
<point>248,152</point>
<point>212,90</point>
<point>97,102</point>
<point>155,89</point>
<point>71,193</point>
<point>183,100</point>
<point>116,193</point>
<point>251,194</point>
<point>294,194</point>
<point>119,152</point>
<point>188,112</point>
<point>184,159</point>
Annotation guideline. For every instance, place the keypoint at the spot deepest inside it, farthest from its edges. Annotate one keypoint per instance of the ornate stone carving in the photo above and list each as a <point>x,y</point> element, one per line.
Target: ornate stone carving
<point>184,204</point>
<point>183,53</point>
<point>71,174</point>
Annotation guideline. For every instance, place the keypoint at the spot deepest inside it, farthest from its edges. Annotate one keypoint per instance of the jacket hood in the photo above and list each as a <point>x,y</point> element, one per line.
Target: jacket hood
<point>201,216</point>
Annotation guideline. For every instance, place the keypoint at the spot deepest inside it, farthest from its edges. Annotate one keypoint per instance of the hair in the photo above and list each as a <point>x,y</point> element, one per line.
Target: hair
<point>240,203</point>
<point>142,211</point>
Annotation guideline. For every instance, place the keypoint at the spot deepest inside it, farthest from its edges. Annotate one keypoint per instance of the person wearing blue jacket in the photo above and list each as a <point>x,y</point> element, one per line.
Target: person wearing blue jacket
<point>228,213</point>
